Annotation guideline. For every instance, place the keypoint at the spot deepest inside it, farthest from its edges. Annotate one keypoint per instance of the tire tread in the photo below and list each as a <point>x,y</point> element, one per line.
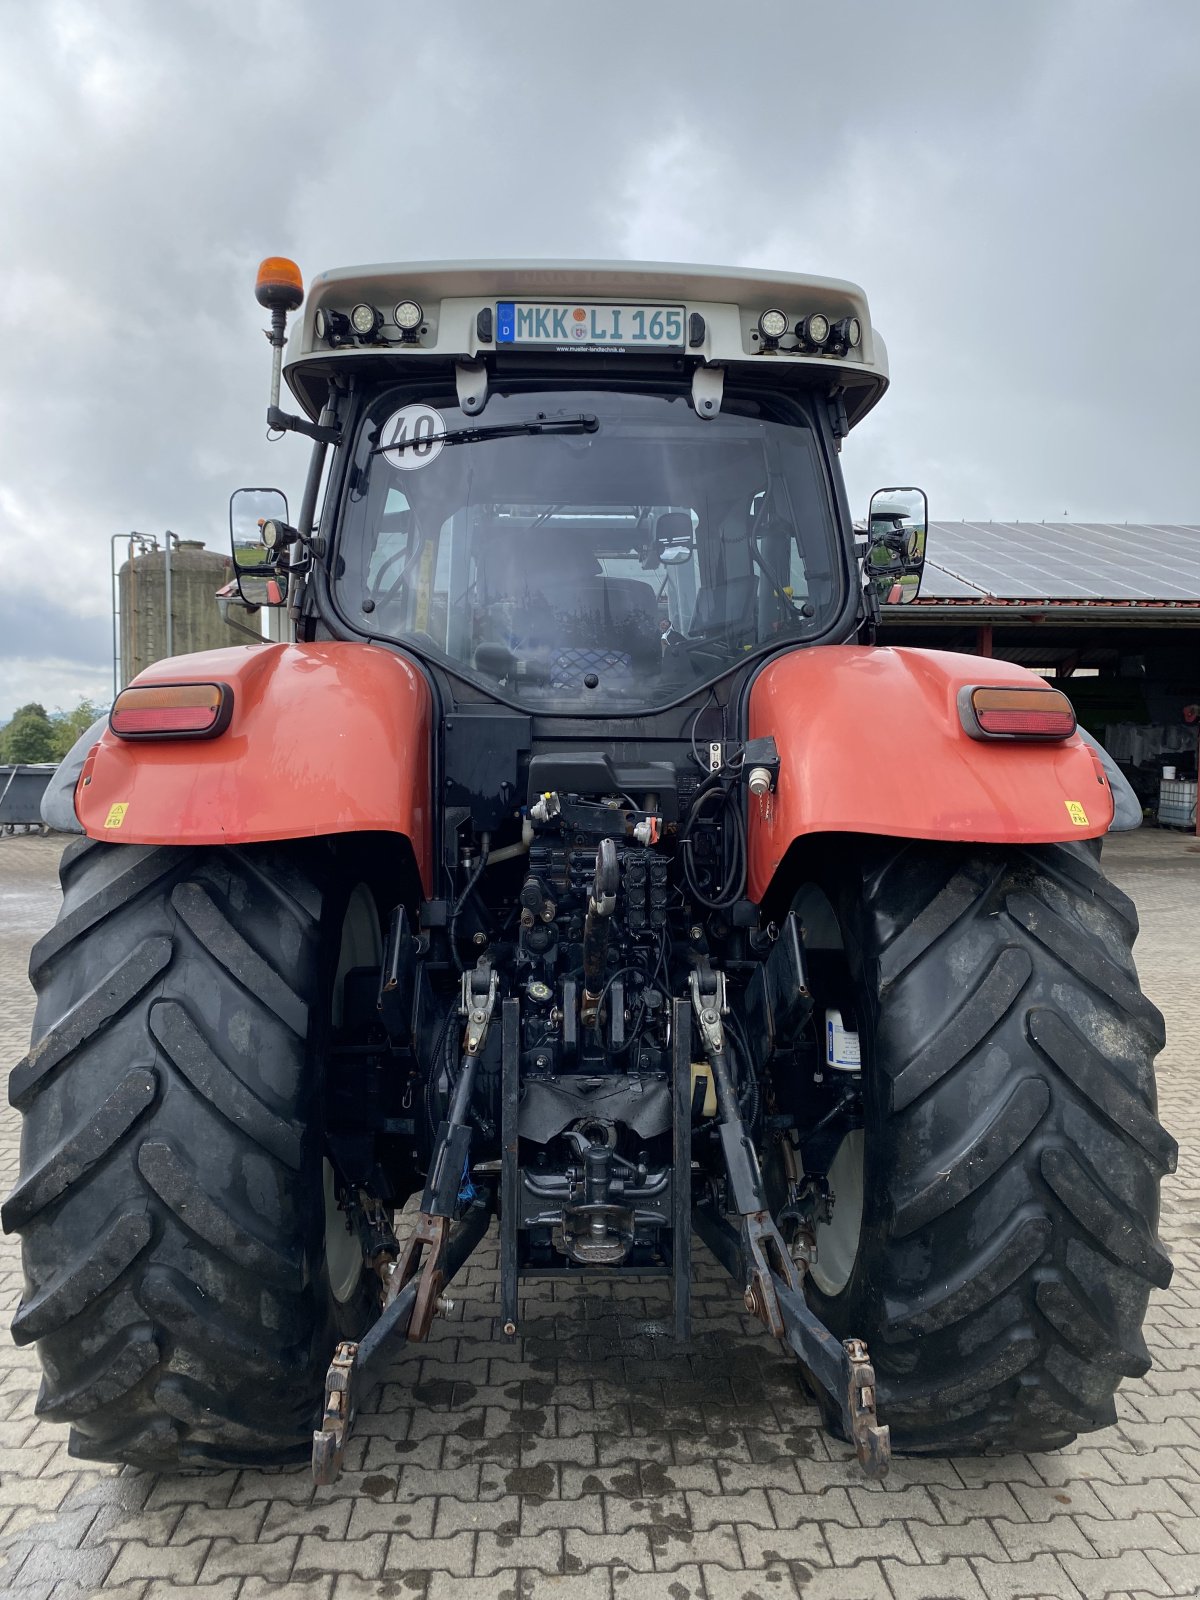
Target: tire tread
<point>1010,1237</point>
<point>169,1199</point>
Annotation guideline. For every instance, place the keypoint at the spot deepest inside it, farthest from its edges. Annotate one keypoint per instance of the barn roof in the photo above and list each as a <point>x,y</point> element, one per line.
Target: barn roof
<point>1071,563</point>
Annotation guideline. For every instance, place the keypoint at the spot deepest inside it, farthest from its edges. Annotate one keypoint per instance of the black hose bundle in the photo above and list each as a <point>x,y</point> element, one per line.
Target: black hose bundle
<point>461,902</point>
<point>733,850</point>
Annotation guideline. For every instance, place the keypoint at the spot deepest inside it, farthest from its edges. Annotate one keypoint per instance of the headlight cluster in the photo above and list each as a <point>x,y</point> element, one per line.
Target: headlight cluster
<point>364,325</point>
<point>815,334</point>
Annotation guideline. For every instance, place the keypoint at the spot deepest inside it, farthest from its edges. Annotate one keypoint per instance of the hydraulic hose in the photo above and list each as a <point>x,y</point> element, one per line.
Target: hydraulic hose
<point>464,897</point>
<point>601,904</point>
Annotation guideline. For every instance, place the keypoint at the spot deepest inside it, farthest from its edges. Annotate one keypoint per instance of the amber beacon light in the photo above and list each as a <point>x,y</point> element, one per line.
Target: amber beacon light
<point>279,284</point>
<point>996,713</point>
<point>172,711</point>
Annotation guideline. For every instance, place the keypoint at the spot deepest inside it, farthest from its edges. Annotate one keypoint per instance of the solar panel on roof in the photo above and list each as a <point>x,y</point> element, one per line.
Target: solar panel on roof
<point>938,584</point>
<point>1062,561</point>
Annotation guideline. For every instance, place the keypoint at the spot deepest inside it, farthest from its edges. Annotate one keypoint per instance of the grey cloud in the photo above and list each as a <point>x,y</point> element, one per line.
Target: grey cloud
<point>32,626</point>
<point>1010,183</point>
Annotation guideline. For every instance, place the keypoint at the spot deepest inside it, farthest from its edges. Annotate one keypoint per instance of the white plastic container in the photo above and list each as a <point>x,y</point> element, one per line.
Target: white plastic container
<point>1177,803</point>
<point>841,1044</point>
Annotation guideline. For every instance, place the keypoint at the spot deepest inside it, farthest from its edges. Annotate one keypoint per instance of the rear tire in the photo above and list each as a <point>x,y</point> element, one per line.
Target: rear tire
<point>170,1204</point>
<point>1011,1150</point>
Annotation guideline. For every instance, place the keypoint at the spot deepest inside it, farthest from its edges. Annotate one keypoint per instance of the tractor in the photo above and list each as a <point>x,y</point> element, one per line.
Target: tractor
<point>563,853</point>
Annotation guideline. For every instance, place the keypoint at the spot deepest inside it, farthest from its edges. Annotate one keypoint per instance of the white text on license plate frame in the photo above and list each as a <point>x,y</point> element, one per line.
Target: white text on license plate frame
<point>587,325</point>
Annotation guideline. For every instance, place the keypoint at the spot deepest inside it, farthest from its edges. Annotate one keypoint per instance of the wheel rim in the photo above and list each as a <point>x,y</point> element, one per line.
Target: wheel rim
<point>837,1240</point>
<point>343,1253</point>
<point>361,946</point>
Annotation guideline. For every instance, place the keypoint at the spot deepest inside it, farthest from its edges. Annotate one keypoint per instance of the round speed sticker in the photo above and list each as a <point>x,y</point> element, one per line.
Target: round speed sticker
<point>412,437</point>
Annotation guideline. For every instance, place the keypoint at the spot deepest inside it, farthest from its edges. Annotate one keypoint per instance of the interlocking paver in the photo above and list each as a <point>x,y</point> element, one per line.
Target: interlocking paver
<point>284,1518</point>
<point>1053,1536</point>
<point>769,1546</point>
<point>790,1510</point>
<point>1073,1498</point>
<point>1100,1575</point>
<point>586,1513</point>
<point>848,1545</point>
<point>593,1585</point>
<point>777,1581</point>
<point>363,1556</point>
<point>630,1549</point>
<point>585,1461</point>
<point>228,1558</point>
<point>180,1563</point>
<point>673,1548</point>
<point>681,1583</point>
<point>168,1589</point>
<point>311,1589</point>
<point>863,1582</point>
<point>414,1517</point>
<point>1042,1576</point>
<point>872,1505</point>
<point>1182,1572</point>
<point>499,1586</point>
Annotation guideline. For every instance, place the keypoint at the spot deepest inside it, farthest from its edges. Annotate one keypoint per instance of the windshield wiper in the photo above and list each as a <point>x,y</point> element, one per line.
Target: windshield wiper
<point>500,430</point>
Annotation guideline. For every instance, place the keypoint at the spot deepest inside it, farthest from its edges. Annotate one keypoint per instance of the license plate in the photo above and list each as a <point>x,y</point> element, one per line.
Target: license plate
<point>564,325</point>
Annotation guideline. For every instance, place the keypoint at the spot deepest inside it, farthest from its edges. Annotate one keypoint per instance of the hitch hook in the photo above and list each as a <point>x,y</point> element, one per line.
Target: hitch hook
<point>329,1440</point>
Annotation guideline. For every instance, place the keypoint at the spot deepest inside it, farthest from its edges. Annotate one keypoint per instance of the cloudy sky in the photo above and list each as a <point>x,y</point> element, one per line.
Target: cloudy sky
<point>1014,184</point>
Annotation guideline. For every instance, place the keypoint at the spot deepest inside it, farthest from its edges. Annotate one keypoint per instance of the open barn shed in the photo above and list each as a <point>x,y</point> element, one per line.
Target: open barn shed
<point>1114,608</point>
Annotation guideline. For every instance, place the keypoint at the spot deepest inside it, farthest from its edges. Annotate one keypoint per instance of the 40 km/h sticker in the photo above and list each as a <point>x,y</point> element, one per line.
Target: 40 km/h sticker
<point>412,437</point>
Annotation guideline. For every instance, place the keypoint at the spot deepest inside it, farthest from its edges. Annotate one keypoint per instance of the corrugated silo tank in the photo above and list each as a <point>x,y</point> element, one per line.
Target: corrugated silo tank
<point>196,575</point>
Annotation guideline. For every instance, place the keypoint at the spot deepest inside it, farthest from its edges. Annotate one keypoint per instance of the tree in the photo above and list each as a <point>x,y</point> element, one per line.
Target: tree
<point>29,736</point>
<point>68,725</point>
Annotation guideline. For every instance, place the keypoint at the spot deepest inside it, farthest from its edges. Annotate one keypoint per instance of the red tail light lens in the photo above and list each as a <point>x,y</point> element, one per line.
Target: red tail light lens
<point>1018,714</point>
<point>172,711</point>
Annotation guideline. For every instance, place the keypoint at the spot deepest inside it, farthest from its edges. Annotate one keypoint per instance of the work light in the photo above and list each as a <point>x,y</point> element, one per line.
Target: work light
<point>365,320</point>
<point>408,316</point>
<point>332,326</point>
<point>813,330</point>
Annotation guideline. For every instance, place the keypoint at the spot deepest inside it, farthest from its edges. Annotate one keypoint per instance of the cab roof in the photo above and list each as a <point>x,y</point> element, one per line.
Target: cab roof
<point>459,321</point>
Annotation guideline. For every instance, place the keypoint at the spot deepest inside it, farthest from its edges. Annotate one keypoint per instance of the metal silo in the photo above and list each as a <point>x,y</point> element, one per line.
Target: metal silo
<point>166,603</point>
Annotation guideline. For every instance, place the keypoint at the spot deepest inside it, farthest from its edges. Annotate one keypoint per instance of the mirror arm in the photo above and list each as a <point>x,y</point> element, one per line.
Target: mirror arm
<point>872,611</point>
<point>839,422</point>
<point>316,468</point>
<point>283,422</point>
<point>325,433</point>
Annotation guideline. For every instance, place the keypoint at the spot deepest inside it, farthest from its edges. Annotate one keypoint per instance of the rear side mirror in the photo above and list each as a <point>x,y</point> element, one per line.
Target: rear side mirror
<point>674,540</point>
<point>897,528</point>
<point>255,517</point>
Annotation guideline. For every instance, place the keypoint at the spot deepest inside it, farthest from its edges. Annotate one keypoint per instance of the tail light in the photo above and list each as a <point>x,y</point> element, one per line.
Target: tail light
<point>172,711</point>
<point>995,713</point>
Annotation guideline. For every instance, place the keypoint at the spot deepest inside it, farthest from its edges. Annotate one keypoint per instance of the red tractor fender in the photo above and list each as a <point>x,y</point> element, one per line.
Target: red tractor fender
<point>324,738</point>
<point>870,741</point>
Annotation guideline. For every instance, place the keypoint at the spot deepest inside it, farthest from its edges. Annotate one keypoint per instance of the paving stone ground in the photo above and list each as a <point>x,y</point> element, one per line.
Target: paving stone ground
<point>589,1460</point>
